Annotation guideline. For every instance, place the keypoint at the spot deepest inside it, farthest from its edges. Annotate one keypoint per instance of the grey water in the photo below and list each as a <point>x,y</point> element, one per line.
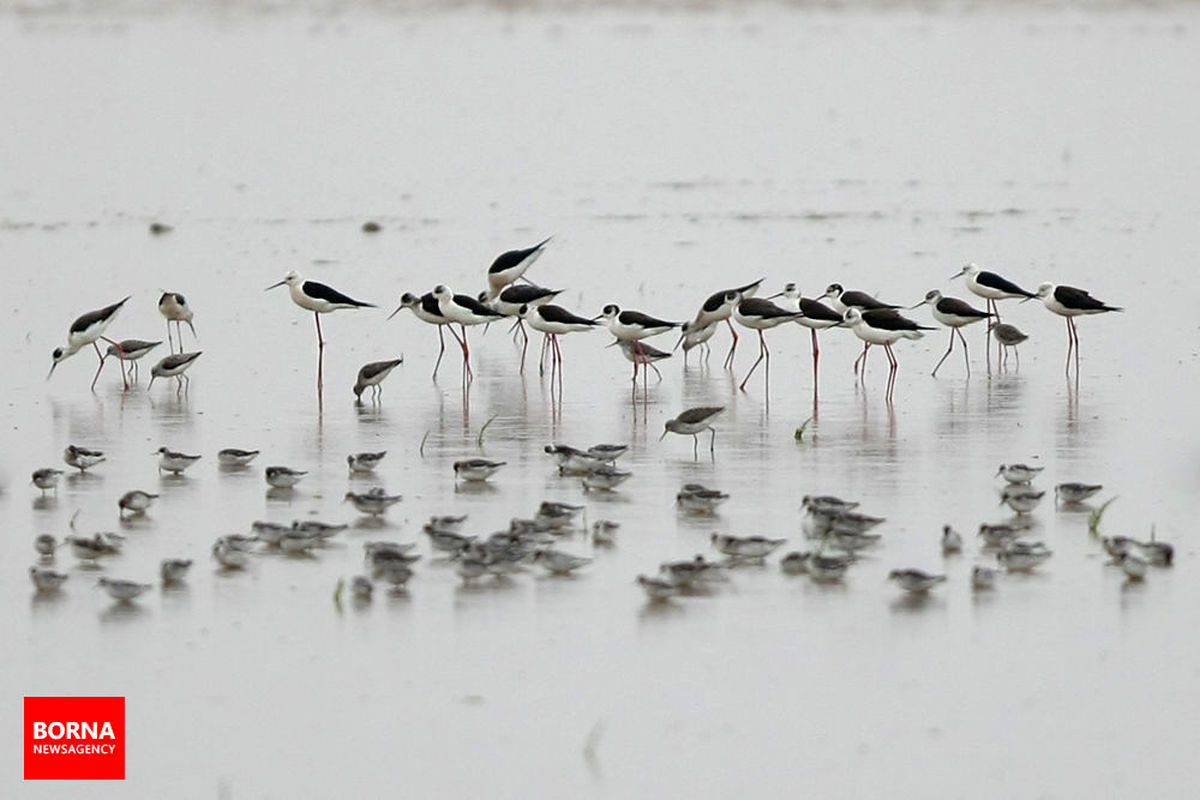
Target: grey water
<point>670,154</point>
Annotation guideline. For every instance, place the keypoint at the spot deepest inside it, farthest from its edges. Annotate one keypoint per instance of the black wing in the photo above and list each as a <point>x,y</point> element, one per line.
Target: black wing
<point>863,300</point>
<point>521,293</point>
<point>763,309</point>
<point>330,295</point>
<point>1071,297</point>
<point>512,258</point>
<point>375,367</point>
<point>92,317</point>
<point>429,305</point>
<point>474,306</point>
<point>994,281</point>
<point>644,320</point>
<point>885,319</point>
<point>959,308</point>
<point>553,313</point>
<point>817,310</point>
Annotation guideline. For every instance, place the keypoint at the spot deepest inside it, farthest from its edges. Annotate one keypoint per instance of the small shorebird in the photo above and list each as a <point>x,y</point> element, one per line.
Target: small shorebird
<point>1069,302</point>
<point>1070,492</point>
<point>81,458</point>
<point>229,556</point>
<point>690,336</point>
<point>1008,337</point>
<point>283,477</point>
<point>426,309</point>
<point>605,478</point>
<point>123,591</point>
<point>233,457</point>
<point>632,327</point>
<point>372,375</point>
<point>47,580</point>
<point>885,327</point>
<point>171,461</point>
<point>174,366</point>
<point>761,315</point>
<point>816,316</point>
<point>557,562</point>
<point>84,331</point>
<point>952,541</point>
<point>658,590</point>
<point>795,562</point>
<point>915,581</point>
<point>749,547</point>
<point>364,462</point>
<point>135,501</point>
<point>174,308</point>
<point>992,288</point>
<point>1018,473</point>
<point>604,532</point>
<point>509,266</point>
<point>697,499</point>
<point>174,570</point>
<point>647,354</point>
<point>47,478</point>
<point>954,314</point>
<point>718,307</point>
<point>691,423</point>
<point>45,545</point>
<point>130,350</point>
<point>1023,556</point>
<point>319,299</point>
<point>1020,498</point>
<point>983,578</point>
<point>374,502</point>
<point>464,310</point>
<point>476,469</point>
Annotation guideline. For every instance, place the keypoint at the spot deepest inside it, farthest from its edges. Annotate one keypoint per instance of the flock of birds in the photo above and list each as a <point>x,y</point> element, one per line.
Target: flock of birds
<point>510,296</point>
<point>838,526</point>
<point>839,529</point>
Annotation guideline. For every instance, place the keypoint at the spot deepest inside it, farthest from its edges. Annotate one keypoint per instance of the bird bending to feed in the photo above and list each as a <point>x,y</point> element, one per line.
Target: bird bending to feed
<point>135,501</point>
<point>171,461</point>
<point>174,308</point>
<point>364,462</point>
<point>130,351</point>
<point>372,375</point>
<point>233,457</point>
<point>761,315</point>
<point>174,570</point>
<point>1075,492</point>
<point>1069,302</point>
<point>174,366</point>
<point>718,307</point>
<point>84,331</point>
<point>511,265</point>
<point>815,315</point>
<point>691,423</point>
<point>476,469</point>
<point>283,477</point>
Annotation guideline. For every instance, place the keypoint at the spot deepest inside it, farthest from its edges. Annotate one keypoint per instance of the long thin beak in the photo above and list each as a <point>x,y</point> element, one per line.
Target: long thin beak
<point>273,285</point>
<point>918,305</point>
<point>597,318</point>
<point>777,294</point>
<point>51,372</point>
<point>955,275</point>
<point>394,313</point>
<point>1027,299</point>
<point>613,343</point>
<point>664,435</point>
<point>191,327</point>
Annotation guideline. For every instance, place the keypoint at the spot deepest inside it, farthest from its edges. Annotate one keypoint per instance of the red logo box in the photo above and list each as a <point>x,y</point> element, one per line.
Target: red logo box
<point>75,738</point>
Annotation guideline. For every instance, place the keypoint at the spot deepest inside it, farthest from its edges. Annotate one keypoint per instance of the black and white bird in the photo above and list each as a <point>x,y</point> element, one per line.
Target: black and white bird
<point>129,351</point>
<point>954,314</point>
<point>552,321</point>
<point>815,315</point>
<point>319,299</point>
<point>633,327</point>
<point>883,326</point>
<point>231,457</point>
<point>427,309</point>
<point>843,299</point>
<point>1070,302</point>
<point>992,288</point>
<point>464,310</point>
<point>372,375</point>
<point>174,308</point>
<point>512,299</point>
<point>761,315</point>
<point>174,462</point>
<point>84,331</point>
<point>718,307</point>
<point>81,458</point>
<point>511,265</point>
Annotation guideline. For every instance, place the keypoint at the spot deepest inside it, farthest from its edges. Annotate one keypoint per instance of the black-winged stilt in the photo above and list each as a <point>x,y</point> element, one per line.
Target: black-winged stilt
<point>84,331</point>
<point>1070,302</point>
<point>760,315</point>
<point>954,314</point>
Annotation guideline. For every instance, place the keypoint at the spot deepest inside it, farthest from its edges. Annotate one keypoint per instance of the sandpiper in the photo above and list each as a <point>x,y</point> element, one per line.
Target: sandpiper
<point>174,570</point>
<point>697,499</point>
<point>1000,534</point>
<point>233,457</point>
<point>46,580</point>
<point>1134,567</point>
<point>605,478</point>
<point>229,556</point>
<point>476,469</point>
<point>607,452</point>
<point>81,458</point>
<point>646,354</point>
<point>829,567</point>
<point>45,544</point>
<point>826,503</point>
<point>751,547</point>
<point>1023,556</point>
<point>46,478</point>
<point>373,502</point>
<point>123,591</point>
<point>1021,499</point>
<point>1018,473</point>
<point>556,515</point>
<point>952,541</point>
<point>135,501</point>
<point>1075,492</point>
<point>173,367</point>
<point>362,463</point>
<point>448,523</point>
<point>174,462</point>
<point>604,532</point>
<point>692,422</point>
<point>372,375</point>
<point>657,590</point>
<point>571,460</point>
<point>1160,554</point>
<point>1008,337</point>
<point>983,578</point>
<point>130,351</point>
<point>632,327</point>
<point>361,587</point>
<point>795,562</point>
<point>915,581</point>
<point>557,562</point>
<point>284,477</point>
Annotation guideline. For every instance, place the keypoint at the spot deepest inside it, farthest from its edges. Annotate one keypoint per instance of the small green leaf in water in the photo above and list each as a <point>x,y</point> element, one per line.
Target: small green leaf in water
<point>799,435</point>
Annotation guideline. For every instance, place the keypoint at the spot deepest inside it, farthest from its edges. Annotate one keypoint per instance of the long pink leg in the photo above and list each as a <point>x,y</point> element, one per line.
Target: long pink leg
<point>945,355</point>
<point>732,347</point>
<point>441,348</point>
<point>762,347</point>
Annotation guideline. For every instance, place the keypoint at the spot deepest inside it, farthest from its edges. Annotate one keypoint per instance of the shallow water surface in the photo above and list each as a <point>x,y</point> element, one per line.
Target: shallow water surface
<point>670,156</point>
